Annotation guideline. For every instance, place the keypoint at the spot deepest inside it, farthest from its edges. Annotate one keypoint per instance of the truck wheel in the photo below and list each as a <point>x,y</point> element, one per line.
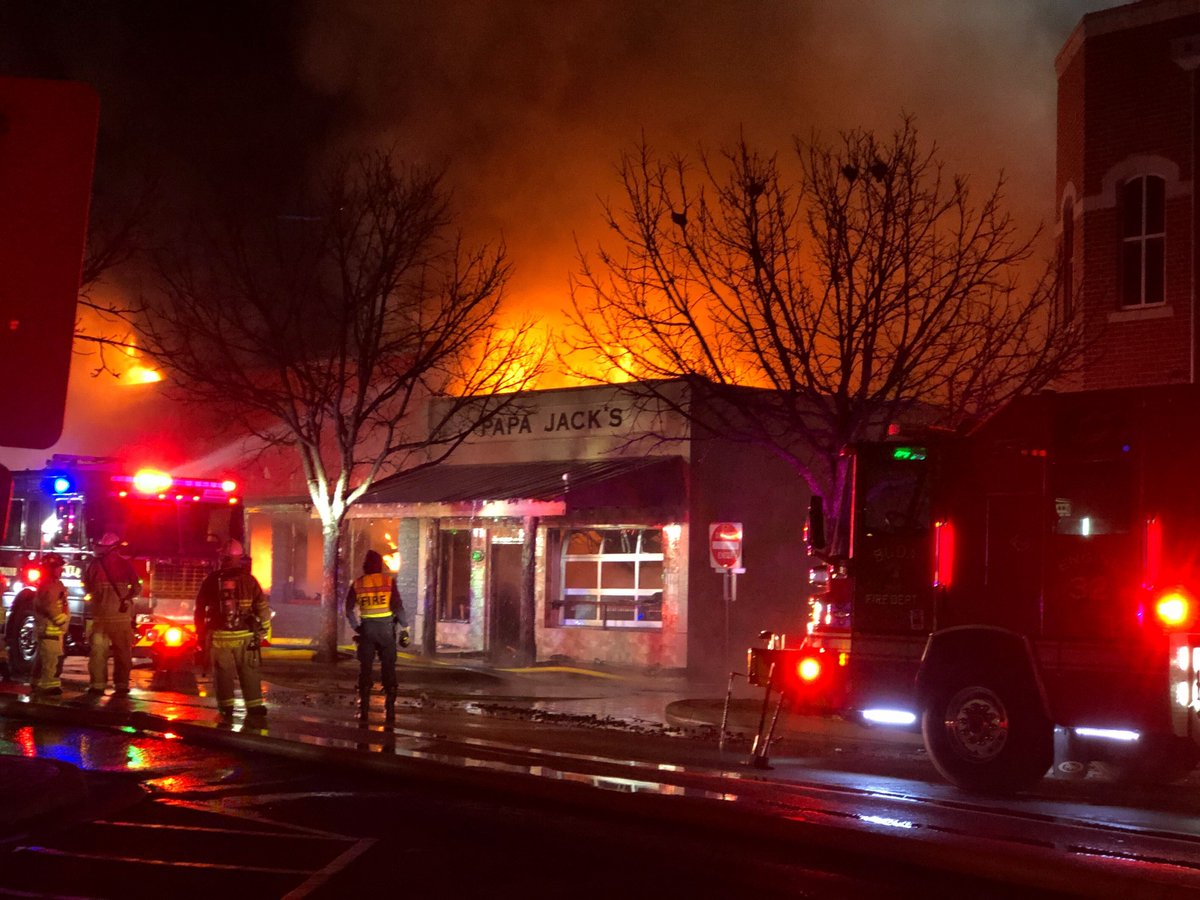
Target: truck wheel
<point>986,738</point>
<point>21,635</point>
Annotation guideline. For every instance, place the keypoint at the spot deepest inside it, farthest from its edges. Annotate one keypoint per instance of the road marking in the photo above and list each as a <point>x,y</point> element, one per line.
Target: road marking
<point>336,865</point>
<point>172,863</point>
<point>251,832</point>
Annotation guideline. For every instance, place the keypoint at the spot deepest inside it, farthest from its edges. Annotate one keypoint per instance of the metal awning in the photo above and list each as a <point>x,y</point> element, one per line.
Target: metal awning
<point>654,485</point>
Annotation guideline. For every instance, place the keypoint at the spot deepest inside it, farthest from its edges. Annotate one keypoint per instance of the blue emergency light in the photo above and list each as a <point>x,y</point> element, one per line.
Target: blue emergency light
<point>62,484</point>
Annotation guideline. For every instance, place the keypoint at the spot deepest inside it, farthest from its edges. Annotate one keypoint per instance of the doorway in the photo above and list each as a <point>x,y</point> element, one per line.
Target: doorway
<point>505,592</point>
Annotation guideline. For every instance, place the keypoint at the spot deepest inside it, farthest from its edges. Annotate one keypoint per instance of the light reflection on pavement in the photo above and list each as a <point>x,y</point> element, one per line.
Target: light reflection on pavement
<point>797,789</point>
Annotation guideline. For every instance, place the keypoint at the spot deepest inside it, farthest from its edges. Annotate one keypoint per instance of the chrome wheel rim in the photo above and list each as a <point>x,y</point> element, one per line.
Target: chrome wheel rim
<point>27,639</point>
<point>977,724</point>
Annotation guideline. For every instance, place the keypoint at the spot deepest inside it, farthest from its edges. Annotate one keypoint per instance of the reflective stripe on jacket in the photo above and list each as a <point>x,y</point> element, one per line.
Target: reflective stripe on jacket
<point>373,594</point>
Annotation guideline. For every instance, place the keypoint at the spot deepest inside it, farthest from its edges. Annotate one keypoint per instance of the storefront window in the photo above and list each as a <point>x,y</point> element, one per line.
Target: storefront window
<point>612,578</point>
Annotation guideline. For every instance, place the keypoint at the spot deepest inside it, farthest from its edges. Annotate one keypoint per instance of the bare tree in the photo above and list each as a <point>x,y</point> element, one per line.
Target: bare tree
<point>327,333</point>
<point>868,285</point>
<point>116,234</point>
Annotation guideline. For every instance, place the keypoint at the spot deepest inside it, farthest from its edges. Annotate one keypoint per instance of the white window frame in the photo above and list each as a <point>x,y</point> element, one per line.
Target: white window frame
<point>597,595</point>
<point>1142,239</point>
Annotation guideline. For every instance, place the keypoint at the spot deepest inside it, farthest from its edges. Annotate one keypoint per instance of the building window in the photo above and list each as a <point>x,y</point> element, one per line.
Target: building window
<point>1143,237</point>
<point>612,578</point>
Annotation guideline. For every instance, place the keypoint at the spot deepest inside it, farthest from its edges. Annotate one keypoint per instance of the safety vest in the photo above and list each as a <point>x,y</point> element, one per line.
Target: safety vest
<point>373,595</point>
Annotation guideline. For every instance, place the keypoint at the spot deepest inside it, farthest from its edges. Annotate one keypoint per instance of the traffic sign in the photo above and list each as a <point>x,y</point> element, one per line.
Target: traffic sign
<point>725,545</point>
<point>47,145</point>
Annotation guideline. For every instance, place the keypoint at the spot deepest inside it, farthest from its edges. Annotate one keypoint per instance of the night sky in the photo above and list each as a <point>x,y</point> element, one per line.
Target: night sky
<point>528,104</point>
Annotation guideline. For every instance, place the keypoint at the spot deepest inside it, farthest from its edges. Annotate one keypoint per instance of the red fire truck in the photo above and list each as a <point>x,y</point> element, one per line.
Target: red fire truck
<point>173,528</point>
<point>1027,593</point>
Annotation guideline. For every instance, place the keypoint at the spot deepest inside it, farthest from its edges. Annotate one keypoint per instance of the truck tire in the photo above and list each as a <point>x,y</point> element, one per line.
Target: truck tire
<point>985,736</point>
<point>20,633</point>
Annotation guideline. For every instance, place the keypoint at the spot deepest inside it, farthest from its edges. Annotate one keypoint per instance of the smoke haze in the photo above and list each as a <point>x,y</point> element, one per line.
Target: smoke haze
<point>528,104</point>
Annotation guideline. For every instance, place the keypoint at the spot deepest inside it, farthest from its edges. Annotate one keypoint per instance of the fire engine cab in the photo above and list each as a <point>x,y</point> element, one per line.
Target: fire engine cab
<point>172,528</point>
<point>1025,593</point>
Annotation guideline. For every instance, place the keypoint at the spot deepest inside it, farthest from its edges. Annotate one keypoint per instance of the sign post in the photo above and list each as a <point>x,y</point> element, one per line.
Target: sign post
<point>725,556</point>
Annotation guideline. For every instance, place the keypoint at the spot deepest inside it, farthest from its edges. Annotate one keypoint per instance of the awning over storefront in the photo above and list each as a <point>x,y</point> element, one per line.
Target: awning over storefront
<point>654,486</point>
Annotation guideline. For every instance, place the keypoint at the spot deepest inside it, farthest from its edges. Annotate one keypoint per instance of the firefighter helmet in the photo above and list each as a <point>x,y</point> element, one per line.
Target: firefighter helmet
<point>109,541</point>
<point>233,550</point>
<point>53,559</point>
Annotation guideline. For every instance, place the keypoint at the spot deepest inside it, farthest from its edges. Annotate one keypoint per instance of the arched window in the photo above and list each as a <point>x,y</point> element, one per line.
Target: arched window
<point>1143,237</point>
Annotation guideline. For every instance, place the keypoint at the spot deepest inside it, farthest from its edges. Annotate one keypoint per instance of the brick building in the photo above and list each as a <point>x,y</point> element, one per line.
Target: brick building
<point>1127,145</point>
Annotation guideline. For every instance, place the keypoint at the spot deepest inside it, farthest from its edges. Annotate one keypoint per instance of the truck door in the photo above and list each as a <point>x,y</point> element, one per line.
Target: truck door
<point>891,572</point>
<point>892,541</point>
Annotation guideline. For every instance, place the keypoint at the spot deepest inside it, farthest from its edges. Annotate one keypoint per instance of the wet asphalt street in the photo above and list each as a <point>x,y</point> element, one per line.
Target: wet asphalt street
<point>560,757</point>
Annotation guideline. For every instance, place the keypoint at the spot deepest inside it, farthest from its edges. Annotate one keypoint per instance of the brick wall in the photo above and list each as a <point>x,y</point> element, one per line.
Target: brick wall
<point>1125,108</point>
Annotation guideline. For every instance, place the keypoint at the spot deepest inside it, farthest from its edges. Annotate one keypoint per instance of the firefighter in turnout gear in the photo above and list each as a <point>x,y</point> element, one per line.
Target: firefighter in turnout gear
<point>232,618</point>
<point>50,618</point>
<point>112,586</point>
<point>374,609</point>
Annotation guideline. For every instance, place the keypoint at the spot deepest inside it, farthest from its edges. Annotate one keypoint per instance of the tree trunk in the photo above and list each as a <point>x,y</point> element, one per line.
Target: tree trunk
<point>527,645</point>
<point>327,642</point>
<point>433,569</point>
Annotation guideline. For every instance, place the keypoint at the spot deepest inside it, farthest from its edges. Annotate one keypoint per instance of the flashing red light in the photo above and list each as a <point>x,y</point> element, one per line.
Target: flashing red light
<point>809,669</point>
<point>151,481</point>
<point>1173,609</point>
<point>233,501</point>
<point>228,486</point>
<point>943,554</point>
<point>33,576</point>
<point>173,636</point>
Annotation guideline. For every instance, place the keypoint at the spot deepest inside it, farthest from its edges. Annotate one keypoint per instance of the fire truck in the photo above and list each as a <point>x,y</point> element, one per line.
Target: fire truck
<point>172,528</point>
<point>1027,594</point>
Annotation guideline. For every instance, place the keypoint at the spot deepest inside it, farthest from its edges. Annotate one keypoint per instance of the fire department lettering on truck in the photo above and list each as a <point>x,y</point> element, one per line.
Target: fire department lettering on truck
<point>890,599</point>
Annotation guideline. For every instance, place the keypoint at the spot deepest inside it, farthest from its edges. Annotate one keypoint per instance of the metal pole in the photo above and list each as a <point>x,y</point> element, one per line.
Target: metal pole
<point>757,749</point>
<point>725,584</point>
<point>771,733</point>
<point>725,713</point>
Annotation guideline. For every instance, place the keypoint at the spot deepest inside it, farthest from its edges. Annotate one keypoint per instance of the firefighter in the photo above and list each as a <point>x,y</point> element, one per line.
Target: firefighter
<point>232,617</point>
<point>112,586</point>
<point>50,619</point>
<point>374,609</point>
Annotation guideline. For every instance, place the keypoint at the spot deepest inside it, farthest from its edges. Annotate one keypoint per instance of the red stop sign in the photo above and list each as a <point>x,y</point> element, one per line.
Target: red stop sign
<point>725,545</point>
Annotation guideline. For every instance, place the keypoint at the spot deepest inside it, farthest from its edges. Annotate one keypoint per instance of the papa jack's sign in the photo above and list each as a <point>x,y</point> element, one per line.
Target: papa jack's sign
<point>554,422</point>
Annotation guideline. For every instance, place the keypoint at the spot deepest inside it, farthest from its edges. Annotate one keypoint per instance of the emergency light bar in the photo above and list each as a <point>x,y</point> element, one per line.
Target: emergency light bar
<point>153,483</point>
